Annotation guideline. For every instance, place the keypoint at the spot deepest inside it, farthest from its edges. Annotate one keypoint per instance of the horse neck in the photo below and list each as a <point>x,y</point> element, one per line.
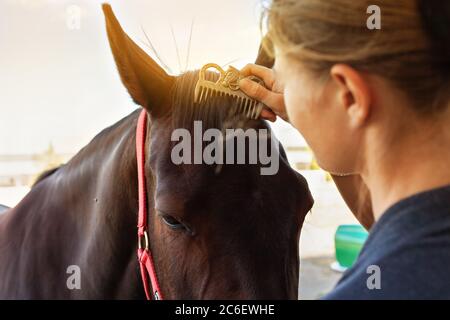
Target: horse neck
<point>89,210</point>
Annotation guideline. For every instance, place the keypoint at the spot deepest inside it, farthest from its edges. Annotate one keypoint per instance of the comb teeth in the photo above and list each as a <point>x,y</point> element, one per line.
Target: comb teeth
<point>227,86</point>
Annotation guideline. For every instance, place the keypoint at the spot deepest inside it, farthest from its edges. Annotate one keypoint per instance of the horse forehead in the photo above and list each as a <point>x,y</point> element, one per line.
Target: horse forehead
<point>176,184</point>
<point>181,183</point>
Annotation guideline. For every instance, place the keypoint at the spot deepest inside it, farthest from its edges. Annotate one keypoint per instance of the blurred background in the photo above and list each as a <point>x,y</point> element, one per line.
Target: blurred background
<point>59,87</point>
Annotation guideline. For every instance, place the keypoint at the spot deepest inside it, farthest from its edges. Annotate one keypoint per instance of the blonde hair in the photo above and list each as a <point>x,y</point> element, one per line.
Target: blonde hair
<point>321,33</point>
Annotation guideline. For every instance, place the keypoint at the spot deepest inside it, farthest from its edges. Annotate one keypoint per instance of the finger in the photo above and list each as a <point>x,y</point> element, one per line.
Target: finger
<point>256,91</point>
<point>264,73</point>
<point>268,115</point>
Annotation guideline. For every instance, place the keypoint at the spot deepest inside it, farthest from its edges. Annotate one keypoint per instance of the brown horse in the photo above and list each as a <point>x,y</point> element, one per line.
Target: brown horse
<point>223,232</point>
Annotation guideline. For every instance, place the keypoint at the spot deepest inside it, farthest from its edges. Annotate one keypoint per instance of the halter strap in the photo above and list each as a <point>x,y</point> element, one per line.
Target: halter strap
<point>144,253</point>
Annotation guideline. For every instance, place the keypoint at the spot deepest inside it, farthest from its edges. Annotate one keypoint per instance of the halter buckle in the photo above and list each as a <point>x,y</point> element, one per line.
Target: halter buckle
<point>143,244</point>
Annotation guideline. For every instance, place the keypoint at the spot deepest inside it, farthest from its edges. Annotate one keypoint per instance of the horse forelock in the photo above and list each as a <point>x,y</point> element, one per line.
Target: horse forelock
<point>216,112</point>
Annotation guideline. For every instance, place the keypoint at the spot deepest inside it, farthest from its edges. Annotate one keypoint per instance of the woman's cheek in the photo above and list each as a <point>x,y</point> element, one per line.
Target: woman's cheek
<point>305,115</point>
<point>297,110</point>
<point>293,106</point>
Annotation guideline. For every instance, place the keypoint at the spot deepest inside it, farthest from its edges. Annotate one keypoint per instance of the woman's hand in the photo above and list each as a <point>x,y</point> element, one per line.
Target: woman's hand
<point>272,96</point>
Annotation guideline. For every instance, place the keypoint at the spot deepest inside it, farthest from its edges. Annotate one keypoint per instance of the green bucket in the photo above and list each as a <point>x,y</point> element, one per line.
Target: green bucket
<point>348,241</point>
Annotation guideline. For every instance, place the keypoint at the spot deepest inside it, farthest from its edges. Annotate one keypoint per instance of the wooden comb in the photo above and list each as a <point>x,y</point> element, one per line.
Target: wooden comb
<point>227,85</point>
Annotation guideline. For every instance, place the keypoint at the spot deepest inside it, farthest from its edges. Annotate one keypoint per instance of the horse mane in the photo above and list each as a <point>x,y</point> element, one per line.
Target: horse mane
<point>216,112</point>
<point>45,174</point>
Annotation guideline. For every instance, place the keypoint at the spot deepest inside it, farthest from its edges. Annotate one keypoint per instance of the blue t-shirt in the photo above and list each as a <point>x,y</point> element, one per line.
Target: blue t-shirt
<point>407,253</point>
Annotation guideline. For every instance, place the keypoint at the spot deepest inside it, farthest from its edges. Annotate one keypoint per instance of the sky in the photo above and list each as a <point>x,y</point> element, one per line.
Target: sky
<point>58,81</point>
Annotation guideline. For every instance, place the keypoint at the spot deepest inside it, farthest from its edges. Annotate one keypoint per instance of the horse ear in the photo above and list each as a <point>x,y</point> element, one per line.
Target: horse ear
<point>264,58</point>
<point>148,84</point>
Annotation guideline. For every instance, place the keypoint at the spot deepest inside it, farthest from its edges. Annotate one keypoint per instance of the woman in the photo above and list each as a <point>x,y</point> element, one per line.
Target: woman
<point>374,106</point>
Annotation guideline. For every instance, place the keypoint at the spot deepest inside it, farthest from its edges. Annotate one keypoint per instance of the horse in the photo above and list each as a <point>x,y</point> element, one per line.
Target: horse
<point>215,232</point>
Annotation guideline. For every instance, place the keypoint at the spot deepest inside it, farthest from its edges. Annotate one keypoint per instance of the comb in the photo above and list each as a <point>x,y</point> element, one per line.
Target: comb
<point>227,85</point>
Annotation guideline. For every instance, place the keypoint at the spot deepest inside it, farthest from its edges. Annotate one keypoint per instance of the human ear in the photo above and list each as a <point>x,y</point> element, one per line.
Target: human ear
<point>353,93</point>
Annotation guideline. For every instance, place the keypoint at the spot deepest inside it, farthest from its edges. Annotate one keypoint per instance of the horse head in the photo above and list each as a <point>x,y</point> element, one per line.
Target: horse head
<point>215,230</point>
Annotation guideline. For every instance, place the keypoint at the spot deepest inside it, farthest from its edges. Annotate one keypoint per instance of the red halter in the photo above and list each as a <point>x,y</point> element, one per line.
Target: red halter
<point>144,254</point>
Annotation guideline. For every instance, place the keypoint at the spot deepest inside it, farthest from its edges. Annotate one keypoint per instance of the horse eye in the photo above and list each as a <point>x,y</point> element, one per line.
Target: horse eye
<point>172,222</point>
